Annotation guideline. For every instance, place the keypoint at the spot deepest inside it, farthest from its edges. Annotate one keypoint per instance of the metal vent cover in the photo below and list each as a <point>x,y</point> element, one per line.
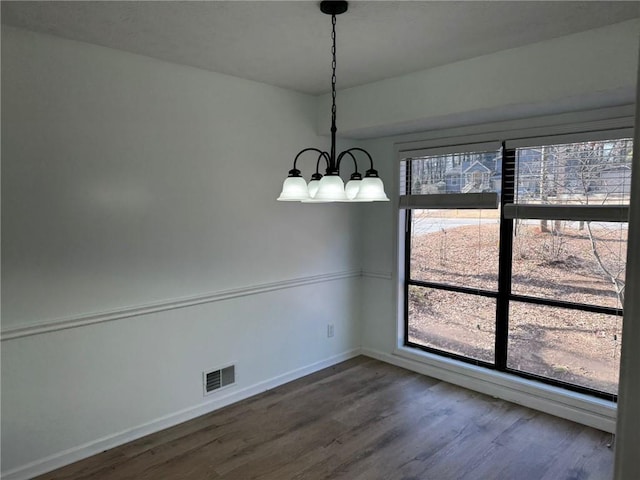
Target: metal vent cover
<point>219,378</point>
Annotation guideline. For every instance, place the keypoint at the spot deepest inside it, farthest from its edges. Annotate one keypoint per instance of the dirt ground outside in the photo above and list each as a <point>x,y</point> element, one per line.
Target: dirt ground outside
<point>570,262</point>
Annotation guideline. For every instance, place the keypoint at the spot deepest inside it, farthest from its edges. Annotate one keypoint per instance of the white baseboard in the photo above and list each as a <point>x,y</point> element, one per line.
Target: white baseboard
<point>80,452</point>
<point>583,409</point>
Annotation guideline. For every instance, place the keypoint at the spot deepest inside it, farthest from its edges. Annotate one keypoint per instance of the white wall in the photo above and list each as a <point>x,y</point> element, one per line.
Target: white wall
<point>378,258</point>
<point>628,427</point>
<point>132,182</point>
<point>591,69</point>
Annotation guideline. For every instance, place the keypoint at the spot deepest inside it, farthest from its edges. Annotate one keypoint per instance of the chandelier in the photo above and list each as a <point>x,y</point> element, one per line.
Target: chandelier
<point>330,187</point>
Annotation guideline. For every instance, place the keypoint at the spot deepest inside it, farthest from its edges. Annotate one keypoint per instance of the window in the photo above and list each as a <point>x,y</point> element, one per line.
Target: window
<point>520,265</point>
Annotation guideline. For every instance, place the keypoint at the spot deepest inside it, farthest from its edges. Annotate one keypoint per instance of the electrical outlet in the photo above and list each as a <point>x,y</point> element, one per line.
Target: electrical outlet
<point>329,330</point>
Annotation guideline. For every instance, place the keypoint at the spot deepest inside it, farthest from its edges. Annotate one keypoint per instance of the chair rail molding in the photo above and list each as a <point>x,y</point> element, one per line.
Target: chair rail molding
<point>46,326</point>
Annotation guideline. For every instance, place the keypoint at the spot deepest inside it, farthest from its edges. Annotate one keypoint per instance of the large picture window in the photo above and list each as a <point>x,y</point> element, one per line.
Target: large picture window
<point>515,255</point>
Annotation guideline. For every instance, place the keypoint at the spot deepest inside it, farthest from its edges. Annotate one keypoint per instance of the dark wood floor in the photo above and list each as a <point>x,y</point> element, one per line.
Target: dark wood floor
<point>361,420</point>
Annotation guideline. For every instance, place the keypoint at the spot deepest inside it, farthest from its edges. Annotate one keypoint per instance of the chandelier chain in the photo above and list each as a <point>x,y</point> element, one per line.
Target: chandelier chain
<point>333,70</point>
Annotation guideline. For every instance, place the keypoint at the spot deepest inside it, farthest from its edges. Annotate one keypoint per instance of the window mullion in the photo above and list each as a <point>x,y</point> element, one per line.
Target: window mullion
<point>505,260</point>
<point>407,253</point>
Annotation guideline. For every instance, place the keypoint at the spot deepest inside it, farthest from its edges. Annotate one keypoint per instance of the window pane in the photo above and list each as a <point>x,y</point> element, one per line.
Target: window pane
<point>453,322</point>
<point>573,346</point>
<point>455,247</point>
<point>452,173</point>
<point>580,262</point>
<point>585,173</point>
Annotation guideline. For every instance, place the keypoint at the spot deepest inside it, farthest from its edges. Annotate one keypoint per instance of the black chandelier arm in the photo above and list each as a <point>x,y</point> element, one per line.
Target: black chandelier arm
<point>347,152</point>
<point>310,149</point>
<point>327,159</point>
<point>358,149</point>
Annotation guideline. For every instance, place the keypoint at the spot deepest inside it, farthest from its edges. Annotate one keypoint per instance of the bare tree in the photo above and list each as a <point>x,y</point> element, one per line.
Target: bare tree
<point>590,173</point>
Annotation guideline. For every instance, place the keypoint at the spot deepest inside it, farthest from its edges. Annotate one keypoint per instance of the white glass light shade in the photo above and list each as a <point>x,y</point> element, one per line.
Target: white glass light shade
<point>371,190</point>
<point>294,189</point>
<point>313,187</point>
<point>330,189</point>
<point>352,188</point>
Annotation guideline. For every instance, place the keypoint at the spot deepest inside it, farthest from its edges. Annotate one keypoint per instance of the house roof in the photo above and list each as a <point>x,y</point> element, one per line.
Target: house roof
<point>477,167</point>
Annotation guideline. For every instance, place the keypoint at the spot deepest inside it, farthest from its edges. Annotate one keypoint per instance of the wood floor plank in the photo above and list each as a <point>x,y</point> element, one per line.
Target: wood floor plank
<point>434,450</point>
<point>529,445</point>
<point>360,420</point>
<point>363,438</point>
<point>587,457</point>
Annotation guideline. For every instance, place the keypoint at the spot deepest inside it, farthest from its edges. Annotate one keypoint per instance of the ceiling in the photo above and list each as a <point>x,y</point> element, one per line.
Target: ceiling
<point>288,44</point>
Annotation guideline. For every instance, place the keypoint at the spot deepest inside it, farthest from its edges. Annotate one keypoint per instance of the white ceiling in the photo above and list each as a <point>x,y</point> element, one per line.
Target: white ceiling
<point>288,43</point>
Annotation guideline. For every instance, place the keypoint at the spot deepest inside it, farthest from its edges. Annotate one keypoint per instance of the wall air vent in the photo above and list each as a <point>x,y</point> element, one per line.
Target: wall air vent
<point>218,378</point>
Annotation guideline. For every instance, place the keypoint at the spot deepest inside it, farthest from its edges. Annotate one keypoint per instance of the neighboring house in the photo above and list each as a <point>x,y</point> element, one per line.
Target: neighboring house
<point>474,177</point>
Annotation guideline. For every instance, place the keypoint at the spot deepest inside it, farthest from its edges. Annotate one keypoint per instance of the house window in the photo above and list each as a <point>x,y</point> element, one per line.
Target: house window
<point>521,269</point>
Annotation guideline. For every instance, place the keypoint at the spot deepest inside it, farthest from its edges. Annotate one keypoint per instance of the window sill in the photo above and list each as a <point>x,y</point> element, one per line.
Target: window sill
<point>577,407</point>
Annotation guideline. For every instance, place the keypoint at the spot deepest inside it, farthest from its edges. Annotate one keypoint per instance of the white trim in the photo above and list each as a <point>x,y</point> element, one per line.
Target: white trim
<point>400,219</point>
<point>376,274</point>
<point>588,120</point>
<point>583,409</point>
<point>80,452</point>
<point>574,137</point>
<point>47,326</point>
<point>490,146</point>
